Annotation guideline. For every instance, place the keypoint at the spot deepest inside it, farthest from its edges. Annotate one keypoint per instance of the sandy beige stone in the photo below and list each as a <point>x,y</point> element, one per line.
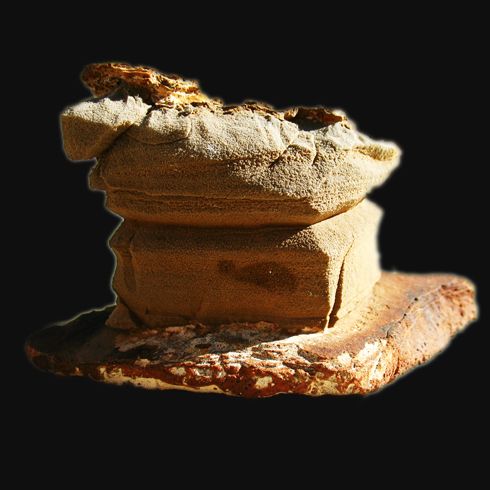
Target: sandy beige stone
<point>232,213</point>
<point>246,231</point>
<point>290,275</point>
<point>193,161</point>
<point>91,126</point>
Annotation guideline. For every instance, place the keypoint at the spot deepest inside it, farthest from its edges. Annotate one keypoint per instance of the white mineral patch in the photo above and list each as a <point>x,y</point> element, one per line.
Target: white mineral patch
<point>117,377</point>
<point>344,359</point>
<point>262,383</point>
<point>367,351</point>
<point>178,371</point>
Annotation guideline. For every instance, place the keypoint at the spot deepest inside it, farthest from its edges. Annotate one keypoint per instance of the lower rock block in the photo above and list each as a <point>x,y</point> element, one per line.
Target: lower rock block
<point>409,320</point>
<point>169,275</point>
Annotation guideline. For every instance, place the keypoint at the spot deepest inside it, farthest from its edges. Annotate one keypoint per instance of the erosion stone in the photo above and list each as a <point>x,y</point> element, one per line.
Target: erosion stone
<point>203,163</point>
<point>247,259</point>
<point>409,320</point>
<point>168,275</point>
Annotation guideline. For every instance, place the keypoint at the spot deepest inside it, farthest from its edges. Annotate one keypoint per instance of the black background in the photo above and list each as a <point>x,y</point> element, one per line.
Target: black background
<point>417,80</point>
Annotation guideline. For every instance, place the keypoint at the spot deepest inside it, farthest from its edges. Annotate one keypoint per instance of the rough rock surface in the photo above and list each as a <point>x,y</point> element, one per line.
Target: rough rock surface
<point>409,319</point>
<point>231,213</point>
<point>169,154</point>
<point>168,275</point>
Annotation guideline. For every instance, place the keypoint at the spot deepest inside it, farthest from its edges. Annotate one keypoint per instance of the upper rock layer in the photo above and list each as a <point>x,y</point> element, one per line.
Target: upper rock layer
<point>169,154</point>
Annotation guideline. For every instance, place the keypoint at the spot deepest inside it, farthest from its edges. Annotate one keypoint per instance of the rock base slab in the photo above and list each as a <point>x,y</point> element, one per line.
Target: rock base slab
<point>408,321</point>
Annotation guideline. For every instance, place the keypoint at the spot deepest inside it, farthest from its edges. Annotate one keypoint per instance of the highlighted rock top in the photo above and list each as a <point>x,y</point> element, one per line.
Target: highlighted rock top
<point>167,153</point>
<point>168,90</point>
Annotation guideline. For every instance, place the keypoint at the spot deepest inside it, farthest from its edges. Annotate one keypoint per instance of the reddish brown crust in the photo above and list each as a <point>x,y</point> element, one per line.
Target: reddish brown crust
<point>415,315</point>
<point>104,79</point>
<point>318,114</point>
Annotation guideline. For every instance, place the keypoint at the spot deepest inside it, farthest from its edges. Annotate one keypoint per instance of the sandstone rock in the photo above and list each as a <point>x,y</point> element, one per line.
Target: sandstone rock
<point>246,231</point>
<point>91,126</point>
<point>194,161</point>
<point>226,207</point>
<point>168,275</point>
<point>408,321</point>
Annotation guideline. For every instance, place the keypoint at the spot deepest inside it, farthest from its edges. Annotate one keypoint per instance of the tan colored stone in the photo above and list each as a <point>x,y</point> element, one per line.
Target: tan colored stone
<point>196,182</point>
<point>169,275</point>
<point>190,160</point>
<point>91,126</point>
<point>246,231</point>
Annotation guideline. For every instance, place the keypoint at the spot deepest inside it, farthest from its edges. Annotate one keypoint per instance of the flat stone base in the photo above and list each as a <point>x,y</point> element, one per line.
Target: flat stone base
<point>409,320</point>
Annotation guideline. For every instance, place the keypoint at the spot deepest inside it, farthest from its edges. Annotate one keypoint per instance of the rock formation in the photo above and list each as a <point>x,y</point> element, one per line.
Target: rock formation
<point>240,213</point>
<point>242,222</point>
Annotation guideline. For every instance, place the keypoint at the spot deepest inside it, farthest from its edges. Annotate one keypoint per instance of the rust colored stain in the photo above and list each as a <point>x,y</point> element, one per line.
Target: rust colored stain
<point>261,360</point>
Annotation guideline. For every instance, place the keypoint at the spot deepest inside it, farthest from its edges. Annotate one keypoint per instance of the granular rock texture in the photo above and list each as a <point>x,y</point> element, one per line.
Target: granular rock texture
<point>232,213</point>
<point>409,320</point>
<point>247,259</point>
<point>201,163</point>
<point>293,276</point>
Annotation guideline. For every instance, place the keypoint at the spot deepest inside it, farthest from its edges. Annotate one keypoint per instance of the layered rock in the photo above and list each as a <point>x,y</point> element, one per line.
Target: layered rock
<point>288,275</point>
<point>244,228</point>
<point>232,213</point>
<point>409,320</point>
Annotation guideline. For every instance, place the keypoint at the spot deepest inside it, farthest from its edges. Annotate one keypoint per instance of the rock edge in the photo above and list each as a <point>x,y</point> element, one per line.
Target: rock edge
<point>409,320</point>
